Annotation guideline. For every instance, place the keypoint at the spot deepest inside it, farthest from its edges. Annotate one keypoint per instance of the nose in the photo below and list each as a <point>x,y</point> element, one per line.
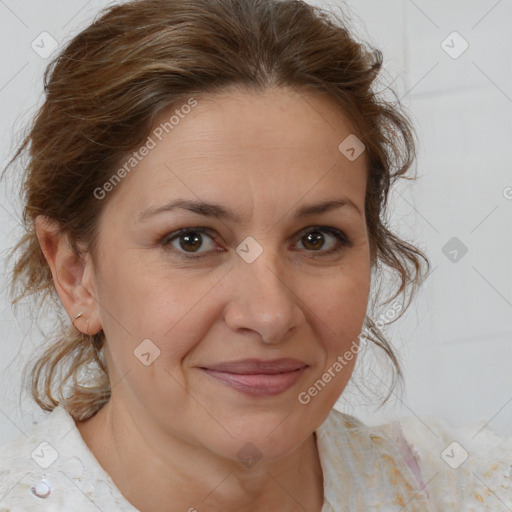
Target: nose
<point>263,299</point>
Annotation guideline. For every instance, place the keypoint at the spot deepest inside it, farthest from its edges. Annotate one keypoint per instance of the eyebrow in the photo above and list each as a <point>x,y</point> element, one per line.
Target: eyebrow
<point>222,213</point>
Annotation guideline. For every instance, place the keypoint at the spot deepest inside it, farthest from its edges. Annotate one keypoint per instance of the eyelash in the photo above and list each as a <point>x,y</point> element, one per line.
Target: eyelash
<point>343,240</point>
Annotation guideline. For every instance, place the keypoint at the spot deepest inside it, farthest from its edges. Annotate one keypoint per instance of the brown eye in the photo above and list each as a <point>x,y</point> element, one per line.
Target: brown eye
<point>314,240</point>
<point>189,241</point>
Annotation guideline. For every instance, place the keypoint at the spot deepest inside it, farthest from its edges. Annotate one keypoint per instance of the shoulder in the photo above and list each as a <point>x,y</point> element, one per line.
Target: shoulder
<point>423,464</point>
<point>469,465</point>
<point>50,467</point>
<point>365,467</point>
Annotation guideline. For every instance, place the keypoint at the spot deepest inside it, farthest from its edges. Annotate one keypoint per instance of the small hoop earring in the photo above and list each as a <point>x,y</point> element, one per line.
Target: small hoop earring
<point>77,316</point>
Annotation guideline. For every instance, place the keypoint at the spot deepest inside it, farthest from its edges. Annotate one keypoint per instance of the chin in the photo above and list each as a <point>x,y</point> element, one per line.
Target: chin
<point>267,436</point>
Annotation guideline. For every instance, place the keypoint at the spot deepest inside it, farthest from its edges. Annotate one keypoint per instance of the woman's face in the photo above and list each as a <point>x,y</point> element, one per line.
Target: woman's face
<point>261,283</point>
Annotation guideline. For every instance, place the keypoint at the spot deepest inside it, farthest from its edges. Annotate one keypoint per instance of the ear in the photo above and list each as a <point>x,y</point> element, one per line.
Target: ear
<point>73,275</point>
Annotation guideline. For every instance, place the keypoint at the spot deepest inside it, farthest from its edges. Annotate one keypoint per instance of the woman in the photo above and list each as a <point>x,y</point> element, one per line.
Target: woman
<point>205,194</point>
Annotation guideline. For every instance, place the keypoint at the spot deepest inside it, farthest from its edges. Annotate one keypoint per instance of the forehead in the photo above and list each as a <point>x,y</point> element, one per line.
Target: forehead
<point>277,119</point>
<point>270,145</point>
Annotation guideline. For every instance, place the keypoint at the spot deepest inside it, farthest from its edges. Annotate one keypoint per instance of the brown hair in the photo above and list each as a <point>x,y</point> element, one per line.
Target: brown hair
<point>103,93</point>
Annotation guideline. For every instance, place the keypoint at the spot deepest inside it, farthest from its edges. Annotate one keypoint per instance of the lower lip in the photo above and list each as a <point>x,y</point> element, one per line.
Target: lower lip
<point>259,384</point>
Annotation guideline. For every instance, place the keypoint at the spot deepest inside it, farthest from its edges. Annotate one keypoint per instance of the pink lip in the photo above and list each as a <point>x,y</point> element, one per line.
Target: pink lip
<point>258,378</point>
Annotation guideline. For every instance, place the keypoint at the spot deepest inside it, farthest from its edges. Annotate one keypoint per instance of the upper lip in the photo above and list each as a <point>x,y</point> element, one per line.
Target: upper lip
<point>258,366</point>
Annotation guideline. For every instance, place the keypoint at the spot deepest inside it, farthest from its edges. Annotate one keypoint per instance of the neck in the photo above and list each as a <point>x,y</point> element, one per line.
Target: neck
<point>156,471</point>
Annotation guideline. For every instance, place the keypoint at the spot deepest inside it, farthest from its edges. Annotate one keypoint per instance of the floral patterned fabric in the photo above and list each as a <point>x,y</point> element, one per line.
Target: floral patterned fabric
<point>406,465</point>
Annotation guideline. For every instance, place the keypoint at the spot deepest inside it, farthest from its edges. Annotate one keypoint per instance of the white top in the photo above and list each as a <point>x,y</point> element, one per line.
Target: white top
<point>407,465</point>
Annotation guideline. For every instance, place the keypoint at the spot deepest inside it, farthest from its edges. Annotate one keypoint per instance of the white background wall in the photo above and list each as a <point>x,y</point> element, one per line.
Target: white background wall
<point>455,343</point>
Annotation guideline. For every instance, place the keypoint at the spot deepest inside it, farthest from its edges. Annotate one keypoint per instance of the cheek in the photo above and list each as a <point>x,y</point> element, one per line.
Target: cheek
<point>338,314</point>
<point>140,294</point>
<point>340,302</point>
<point>146,302</point>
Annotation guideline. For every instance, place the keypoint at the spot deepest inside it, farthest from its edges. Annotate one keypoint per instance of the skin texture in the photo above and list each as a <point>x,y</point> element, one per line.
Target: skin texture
<point>170,434</point>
